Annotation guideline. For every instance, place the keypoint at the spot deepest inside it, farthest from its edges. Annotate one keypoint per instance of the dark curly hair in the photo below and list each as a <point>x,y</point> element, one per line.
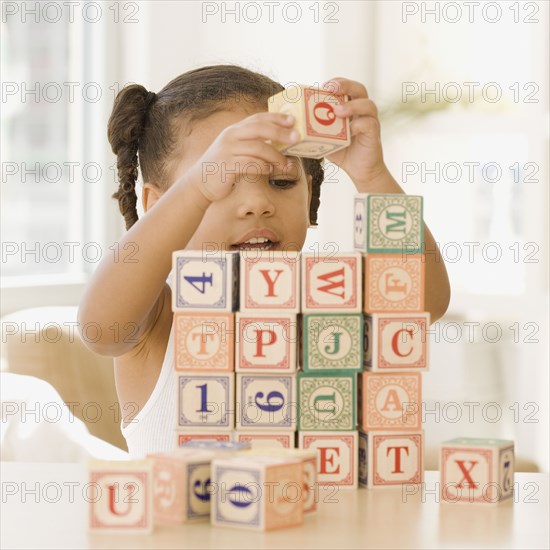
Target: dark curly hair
<point>146,126</point>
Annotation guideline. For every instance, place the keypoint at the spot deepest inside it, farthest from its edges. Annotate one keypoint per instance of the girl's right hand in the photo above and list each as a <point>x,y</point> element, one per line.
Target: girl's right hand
<point>242,147</point>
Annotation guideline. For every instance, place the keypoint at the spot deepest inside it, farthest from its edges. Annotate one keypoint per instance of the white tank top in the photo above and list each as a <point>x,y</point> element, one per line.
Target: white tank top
<point>152,430</point>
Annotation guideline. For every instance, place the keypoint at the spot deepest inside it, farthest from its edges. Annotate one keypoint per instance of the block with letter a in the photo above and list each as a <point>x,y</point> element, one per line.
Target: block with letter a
<point>477,470</point>
<point>204,341</point>
<point>390,401</point>
<point>331,283</point>
<point>270,280</point>
<point>266,342</point>
<point>321,131</point>
<point>120,496</point>
<point>396,342</point>
<point>389,459</point>
<point>337,463</point>
<point>205,281</point>
<point>388,223</point>
<point>393,283</point>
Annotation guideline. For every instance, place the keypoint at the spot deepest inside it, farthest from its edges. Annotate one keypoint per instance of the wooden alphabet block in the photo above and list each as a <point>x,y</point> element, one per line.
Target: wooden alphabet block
<point>394,283</point>
<point>326,401</point>
<point>396,342</point>
<point>205,281</point>
<point>390,401</point>
<point>270,280</point>
<point>204,341</point>
<point>266,342</point>
<point>181,486</point>
<point>205,401</point>
<point>266,439</point>
<point>258,493</point>
<point>183,436</point>
<point>331,283</point>
<point>321,131</point>
<point>336,456</point>
<point>120,496</point>
<point>389,459</point>
<point>216,446</point>
<point>332,342</point>
<point>388,223</point>
<point>266,401</point>
<point>477,470</point>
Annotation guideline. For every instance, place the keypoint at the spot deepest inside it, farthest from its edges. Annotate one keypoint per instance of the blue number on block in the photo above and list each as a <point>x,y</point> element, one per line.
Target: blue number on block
<point>201,489</point>
<point>204,404</point>
<point>193,280</point>
<point>268,406</point>
<point>246,493</point>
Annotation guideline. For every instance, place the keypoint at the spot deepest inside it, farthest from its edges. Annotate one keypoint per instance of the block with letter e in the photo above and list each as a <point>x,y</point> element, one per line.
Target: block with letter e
<point>331,283</point>
<point>337,463</point>
<point>321,131</point>
<point>120,496</point>
<point>390,401</point>
<point>396,342</point>
<point>204,341</point>
<point>327,401</point>
<point>389,459</point>
<point>270,280</point>
<point>388,223</point>
<point>476,470</point>
<point>266,342</point>
<point>393,283</point>
<point>205,281</point>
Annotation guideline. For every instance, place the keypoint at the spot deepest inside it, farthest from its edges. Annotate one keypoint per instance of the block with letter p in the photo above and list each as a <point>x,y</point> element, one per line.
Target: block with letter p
<point>477,470</point>
<point>396,342</point>
<point>270,280</point>
<point>388,223</point>
<point>331,283</point>
<point>205,281</point>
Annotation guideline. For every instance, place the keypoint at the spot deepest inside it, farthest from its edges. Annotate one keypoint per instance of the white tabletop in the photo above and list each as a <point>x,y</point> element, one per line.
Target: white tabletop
<point>348,519</point>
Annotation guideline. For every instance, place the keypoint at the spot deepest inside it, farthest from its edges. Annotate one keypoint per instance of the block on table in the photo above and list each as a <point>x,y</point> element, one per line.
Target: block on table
<point>266,439</point>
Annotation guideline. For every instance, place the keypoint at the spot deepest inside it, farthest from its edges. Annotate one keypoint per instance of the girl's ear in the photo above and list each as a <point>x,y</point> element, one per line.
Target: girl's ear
<point>150,195</point>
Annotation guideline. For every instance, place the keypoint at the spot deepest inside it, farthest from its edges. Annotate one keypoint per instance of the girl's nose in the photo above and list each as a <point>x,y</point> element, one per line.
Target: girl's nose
<point>253,199</point>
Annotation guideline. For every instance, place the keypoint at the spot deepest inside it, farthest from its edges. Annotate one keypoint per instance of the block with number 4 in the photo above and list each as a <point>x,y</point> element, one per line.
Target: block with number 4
<point>266,342</point>
<point>336,456</point>
<point>321,132</point>
<point>396,342</point>
<point>388,223</point>
<point>205,401</point>
<point>390,401</point>
<point>257,493</point>
<point>121,497</point>
<point>204,341</point>
<point>477,470</point>
<point>331,283</point>
<point>270,280</point>
<point>393,283</point>
<point>205,281</point>
<point>390,458</point>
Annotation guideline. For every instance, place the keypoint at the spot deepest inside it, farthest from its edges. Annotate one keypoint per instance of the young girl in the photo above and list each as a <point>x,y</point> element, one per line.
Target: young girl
<point>211,178</point>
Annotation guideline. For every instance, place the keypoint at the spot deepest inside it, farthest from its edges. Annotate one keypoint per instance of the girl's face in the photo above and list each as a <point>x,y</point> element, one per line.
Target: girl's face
<point>269,211</point>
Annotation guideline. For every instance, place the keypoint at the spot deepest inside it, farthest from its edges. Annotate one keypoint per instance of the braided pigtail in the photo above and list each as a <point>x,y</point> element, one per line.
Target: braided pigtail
<point>125,129</point>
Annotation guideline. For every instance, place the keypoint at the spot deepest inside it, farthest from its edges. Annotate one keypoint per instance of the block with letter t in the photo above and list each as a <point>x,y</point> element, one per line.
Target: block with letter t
<point>331,283</point>
<point>477,470</point>
<point>396,342</point>
<point>121,499</point>
<point>270,280</point>
<point>205,281</point>
<point>388,223</point>
<point>389,459</point>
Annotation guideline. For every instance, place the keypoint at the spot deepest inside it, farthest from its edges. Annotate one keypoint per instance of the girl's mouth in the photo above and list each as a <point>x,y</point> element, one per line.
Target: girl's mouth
<point>255,243</point>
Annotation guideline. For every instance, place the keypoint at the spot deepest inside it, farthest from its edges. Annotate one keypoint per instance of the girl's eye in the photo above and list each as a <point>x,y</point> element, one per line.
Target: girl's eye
<point>282,184</point>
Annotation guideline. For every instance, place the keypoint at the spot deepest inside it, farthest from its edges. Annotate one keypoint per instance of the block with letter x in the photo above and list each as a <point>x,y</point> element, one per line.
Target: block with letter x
<point>270,280</point>
<point>390,401</point>
<point>266,342</point>
<point>396,342</point>
<point>331,283</point>
<point>393,283</point>
<point>205,281</point>
<point>389,459</point>
<point>388,223</point>
<point>477,470</point>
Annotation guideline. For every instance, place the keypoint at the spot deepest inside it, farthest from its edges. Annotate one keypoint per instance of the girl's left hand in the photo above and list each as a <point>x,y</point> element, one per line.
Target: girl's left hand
<point>363,159</point>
